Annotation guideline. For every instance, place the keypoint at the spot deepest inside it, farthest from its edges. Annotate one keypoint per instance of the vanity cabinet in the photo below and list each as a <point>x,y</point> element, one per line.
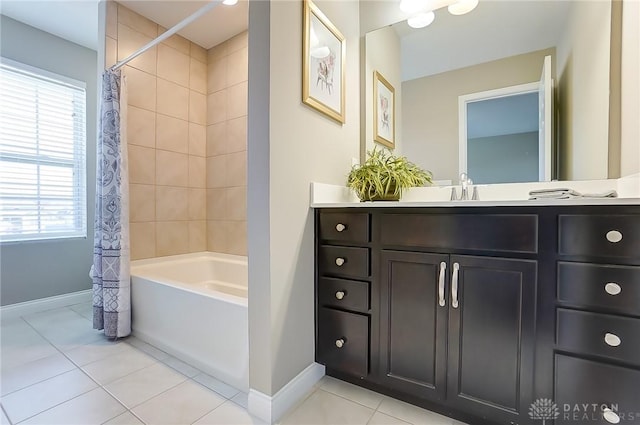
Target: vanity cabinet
<point>476,313</point>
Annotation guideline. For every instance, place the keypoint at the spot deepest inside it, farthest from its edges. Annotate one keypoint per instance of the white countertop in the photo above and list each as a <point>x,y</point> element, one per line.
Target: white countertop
<point>514,194</point>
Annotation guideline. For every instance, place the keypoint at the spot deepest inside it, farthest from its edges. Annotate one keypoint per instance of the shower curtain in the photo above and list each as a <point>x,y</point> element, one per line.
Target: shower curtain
<point>110,270</point>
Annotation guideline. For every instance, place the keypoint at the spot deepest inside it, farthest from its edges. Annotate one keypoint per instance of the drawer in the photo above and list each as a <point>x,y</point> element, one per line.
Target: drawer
<point>599,235</point>
<point>350,227</point>
<point>343,341</point>
<point>593,285</point>
<point>588,333</point>
<point>582,384</point>
<point>344,261</point>
<point>341,293</point>
<point>484,232</point>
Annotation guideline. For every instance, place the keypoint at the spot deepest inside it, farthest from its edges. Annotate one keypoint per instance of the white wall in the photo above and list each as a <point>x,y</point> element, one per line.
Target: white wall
<point>382,54</point>
<point>630,122</point>
<point>302,146</point>
<point>583,80</point>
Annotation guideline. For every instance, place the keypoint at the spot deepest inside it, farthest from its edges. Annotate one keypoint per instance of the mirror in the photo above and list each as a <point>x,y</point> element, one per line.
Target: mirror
<point>497,45</point>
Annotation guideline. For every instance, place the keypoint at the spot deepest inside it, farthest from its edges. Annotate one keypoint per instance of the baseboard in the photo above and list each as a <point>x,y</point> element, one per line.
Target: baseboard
<point>12,311</point>
<point>271,409</point>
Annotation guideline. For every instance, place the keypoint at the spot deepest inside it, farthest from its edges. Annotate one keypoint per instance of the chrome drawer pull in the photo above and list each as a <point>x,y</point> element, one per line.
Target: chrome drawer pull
<point>340,342</point>
<point>610,416</point>
<point>339,261</point>
<point>340,227</point>
<point>612,288</point>
<point>443,267</point>
<point>612,340</point>
<point>340,295</point>
<point>454,286</point>
<point>614,236</point>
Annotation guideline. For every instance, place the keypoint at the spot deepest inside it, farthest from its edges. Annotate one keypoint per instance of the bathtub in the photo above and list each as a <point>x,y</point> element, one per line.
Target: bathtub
<point>194,307</point>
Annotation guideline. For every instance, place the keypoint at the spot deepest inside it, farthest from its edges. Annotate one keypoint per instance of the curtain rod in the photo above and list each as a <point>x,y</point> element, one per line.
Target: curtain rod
<point>200,12</point>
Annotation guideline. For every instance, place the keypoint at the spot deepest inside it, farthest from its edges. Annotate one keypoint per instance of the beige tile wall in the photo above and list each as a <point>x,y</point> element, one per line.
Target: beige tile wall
<point>227,146</point>
<point>167,101</point>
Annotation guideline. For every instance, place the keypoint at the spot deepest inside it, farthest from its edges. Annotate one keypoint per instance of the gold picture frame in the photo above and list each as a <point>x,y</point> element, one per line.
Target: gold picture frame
<point>323,64</point>
<point>384,111</point>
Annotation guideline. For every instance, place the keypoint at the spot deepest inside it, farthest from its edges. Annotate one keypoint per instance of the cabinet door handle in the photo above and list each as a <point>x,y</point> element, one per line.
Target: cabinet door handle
<point>339,261</point>
<point>340,342</point>
<point>612,288</point>
<point>612,340</point>
<point>610,416</point>
<point>454,286</point>
<point>340,295</point>
<point>441,301</point>
<point>614,236</point>
<point>340,227</point>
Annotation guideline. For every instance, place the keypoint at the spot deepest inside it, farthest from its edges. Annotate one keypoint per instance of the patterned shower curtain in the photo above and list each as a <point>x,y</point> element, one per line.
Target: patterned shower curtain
<point>110,270</point>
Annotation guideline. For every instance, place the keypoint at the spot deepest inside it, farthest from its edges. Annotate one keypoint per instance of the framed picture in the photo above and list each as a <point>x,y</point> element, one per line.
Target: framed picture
<point>323,61</point>
<point>384,111</point>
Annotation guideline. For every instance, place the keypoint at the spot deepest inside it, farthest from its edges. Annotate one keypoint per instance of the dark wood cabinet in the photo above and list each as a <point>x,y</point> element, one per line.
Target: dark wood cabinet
<point>479,312</point>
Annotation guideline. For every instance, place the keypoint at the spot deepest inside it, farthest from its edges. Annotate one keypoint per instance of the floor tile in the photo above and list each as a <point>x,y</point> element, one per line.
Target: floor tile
<point>241,399</point>
<point>32,400</point>
<point>97,350</point>
<point>323,408</point>
<point>112,368</point>
<point>227,391</point>
<point>64,328</point>
<point>22,376</point>
<point>3,418</point>
<point>229,413</point>
<point>127,418</point>
<point>181,366</point>
<point>352,392</point>
<point>85,310</point>
<point>382,419</point>
<point>144,384</point>
<point>146,348</point>
<point>20,344</point>
<point>94,407</point>
<point>181,405</point>
<point>410,413</point>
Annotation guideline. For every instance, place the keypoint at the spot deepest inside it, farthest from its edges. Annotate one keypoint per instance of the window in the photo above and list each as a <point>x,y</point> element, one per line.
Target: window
<point>42,155</point>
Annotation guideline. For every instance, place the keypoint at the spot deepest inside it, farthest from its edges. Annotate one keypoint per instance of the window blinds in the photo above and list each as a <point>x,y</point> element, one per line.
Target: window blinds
<point>42,155</point>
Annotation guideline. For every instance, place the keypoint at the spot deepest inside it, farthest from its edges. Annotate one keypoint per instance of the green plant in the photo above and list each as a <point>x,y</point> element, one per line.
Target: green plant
<point>384,176</point>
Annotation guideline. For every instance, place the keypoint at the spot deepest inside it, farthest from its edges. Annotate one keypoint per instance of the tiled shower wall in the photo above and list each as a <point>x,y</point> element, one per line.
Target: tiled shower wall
<point>227,146</point>
<point>166,131</point>
<point>187,132</point>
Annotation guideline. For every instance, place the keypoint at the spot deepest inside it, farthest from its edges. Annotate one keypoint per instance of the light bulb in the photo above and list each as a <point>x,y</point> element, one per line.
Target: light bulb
<point>412,6</point>
<point>462,6</point>
<point>421,20</point>
<point>229,2</point>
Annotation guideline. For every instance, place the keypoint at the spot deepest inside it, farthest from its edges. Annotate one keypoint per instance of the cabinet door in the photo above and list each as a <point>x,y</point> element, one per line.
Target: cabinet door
<point>491,337</point>
<point>412,324</point>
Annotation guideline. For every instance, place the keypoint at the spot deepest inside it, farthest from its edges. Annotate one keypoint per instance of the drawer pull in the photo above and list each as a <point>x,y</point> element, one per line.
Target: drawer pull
<point>612,288</point>
<point>610,416</point>
<point>340,261</point>
<point>340,295</point>
<point>340,227</point>
<point>612,339</point>
<point>614,236</point>
<point>443,267</point>
<point>454,286</point>
<point>340,342</point>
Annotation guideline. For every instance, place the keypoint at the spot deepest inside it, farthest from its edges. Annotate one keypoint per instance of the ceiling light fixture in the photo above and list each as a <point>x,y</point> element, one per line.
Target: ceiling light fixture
<point>421,12</point>
<point>421,20</point>
<point>229,2</point>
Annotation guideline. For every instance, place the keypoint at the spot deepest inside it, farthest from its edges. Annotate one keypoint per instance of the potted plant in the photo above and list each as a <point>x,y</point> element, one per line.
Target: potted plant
<point>384,176</point>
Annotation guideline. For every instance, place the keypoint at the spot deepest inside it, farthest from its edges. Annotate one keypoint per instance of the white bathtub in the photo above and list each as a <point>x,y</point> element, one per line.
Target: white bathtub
<point>194,306</point>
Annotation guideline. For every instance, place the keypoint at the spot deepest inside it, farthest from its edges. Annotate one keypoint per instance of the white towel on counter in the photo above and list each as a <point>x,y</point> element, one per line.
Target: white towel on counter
<point>564,193</point>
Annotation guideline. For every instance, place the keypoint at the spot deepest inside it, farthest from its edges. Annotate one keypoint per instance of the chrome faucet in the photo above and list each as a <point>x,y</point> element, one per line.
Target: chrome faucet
<point>465,184</point>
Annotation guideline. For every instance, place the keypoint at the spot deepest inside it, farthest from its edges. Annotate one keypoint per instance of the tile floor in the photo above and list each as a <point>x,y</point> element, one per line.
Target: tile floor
<point>57,370</point>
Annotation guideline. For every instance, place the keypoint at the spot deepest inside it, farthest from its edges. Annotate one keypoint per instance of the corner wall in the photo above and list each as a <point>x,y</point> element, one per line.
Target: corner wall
<point>40,269</point>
